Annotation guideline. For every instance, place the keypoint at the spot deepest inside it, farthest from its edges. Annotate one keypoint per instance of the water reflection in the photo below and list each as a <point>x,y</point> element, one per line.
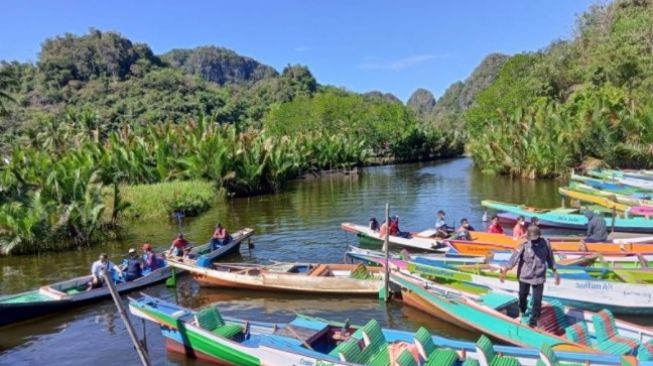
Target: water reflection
<point>300,224</point>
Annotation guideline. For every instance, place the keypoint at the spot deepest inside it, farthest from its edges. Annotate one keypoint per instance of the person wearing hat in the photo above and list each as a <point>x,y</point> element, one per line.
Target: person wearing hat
<point>134,266</point>
<point>532,259</point>
<point>151,261</point>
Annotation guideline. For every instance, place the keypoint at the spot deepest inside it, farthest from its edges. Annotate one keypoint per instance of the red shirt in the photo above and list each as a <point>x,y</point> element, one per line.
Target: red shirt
<point>180,243</point>
<point>495,229</point>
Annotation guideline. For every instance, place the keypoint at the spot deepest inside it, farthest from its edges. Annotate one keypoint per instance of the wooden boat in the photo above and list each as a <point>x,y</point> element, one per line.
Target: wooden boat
<point>630,200</point>
<point>71,293</point>
<point>570,265</point>
<point>580,291</point>
<point>424,240</point>
<point>599,200</point>
<point>614,174</point>
<point>205,254</point>
<point>609,186</point>
<point>614,249</point>
<point>497,315</point>
<point>67,294</point>
<point>292,277</point>
<point>309,341</point>
<point>568,218</point>
<point>586,293</point>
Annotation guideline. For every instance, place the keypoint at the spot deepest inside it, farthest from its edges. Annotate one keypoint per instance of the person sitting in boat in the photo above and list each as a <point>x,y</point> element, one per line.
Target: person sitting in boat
<point>220,237</point>
<point>394,225</point>
<point>179,246</point>
<point>383,229</point>
<point>463,231</point>
<point>597,229</point>
<point>440,223</point>
<point>134,266</point>
<point>97,270</point>
<point>494,227</point>
<point>150,260</point>
<point>374,225</point>
<point>534,222</point>
<point>532,258</point>
<point>519,231</point>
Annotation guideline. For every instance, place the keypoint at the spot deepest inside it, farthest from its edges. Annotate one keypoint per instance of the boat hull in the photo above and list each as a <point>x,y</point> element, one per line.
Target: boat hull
<point>259,278</point>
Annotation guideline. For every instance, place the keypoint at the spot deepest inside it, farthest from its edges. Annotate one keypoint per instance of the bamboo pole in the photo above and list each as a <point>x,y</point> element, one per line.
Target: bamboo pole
<point>386,248</point>
<point>142,352</point>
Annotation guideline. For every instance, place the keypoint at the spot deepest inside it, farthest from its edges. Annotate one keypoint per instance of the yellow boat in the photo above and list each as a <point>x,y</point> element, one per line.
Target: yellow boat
<point>590,198</point>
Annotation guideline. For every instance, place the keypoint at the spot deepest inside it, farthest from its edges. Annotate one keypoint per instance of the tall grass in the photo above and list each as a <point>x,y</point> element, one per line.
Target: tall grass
<point>54,183</point>
<point>160,200</point>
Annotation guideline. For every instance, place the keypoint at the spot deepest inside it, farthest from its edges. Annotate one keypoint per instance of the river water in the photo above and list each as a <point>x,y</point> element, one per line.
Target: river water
<point>300,224</point>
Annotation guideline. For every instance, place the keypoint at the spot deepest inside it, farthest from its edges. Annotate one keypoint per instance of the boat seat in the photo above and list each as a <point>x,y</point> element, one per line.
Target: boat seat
<point>605,329</point>
<point>485,351</point>
<point>579,333</point>
<point>360,272</point>
<point>210,319</point>
<point>320,270</point>
<point>442,357</point>
<point>348,351</point>
<point>424,343</point>
<point>373,338</point>
<point>405,358</point>
<point>645,351</point>
<point>381,358</point>
<point>549,358</point>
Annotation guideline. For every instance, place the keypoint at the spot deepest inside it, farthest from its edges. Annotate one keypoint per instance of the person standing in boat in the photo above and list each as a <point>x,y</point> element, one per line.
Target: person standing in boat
<point>494,227</point>
<point>597,229</point>
<point>519,231</point>
<point>220,237</point>
<point>134,266</point>
<point>150,259</point>
<point>179,246</point>
<point>97,270</point>
<point>532,258</point>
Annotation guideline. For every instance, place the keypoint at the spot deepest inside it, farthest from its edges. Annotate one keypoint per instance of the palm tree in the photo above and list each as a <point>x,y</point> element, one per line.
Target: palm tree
<point>6,82</point>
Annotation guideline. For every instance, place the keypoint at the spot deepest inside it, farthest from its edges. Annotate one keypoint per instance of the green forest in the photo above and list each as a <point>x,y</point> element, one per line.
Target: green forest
<point>99,126</point>
<point>581,102</point>
<point>101,131</point>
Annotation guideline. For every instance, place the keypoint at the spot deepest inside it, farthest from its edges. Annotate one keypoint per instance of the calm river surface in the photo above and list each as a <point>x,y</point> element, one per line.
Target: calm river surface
<point>300,224</point>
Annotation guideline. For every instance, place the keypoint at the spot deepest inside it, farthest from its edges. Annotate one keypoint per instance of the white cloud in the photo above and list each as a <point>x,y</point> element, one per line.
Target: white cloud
<point>400,64</point>
<point>302,48</point>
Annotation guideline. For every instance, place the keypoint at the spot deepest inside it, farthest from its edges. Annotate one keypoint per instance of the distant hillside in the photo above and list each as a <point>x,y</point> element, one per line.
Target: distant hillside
<point>219,65</point>
<point>447,111</point>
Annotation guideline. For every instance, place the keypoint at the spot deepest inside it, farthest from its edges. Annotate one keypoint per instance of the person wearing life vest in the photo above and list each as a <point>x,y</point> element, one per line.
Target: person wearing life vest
<point>220,237</point>
<point>394,226</point>
<point>149,257</point>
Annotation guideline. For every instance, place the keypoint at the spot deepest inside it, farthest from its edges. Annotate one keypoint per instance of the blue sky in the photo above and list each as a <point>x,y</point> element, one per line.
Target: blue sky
<point>393,46</point>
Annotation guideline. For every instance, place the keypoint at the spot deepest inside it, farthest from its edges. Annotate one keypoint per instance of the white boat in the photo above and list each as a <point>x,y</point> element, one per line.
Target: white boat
<point>424,240</point>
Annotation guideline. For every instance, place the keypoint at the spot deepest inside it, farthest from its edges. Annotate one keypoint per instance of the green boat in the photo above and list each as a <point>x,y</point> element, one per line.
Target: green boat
<point>609,186</point>
<point>496,313</point>
<point>621,198</point>
<point>310,341</point>
<point>567,218</point>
